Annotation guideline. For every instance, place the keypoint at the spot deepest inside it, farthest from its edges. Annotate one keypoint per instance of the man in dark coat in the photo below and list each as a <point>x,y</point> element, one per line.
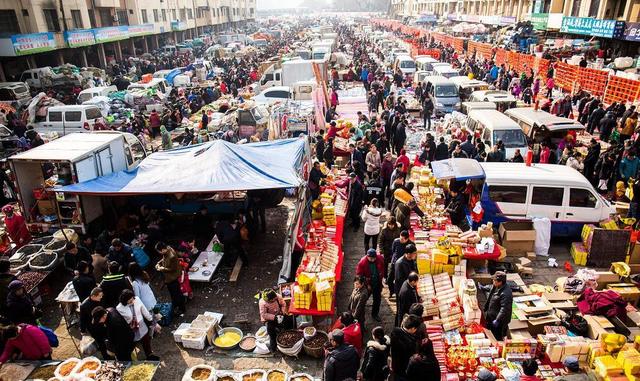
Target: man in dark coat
<point>403,345</point>
<point>342,362</point>
<point>497,309</point>
<point>356,195</point>
<point>397,251</point>
<point>468,146</point>
<point>109,324</point>
<point>595,118</point>
<point>113,284</point>
<point>407,295</point>
<point>405,266</point>
<point>593,153</point>
<point>442,150</point>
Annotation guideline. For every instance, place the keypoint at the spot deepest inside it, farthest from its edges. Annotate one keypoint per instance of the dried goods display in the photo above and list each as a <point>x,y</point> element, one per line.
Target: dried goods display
<point>139,372</point>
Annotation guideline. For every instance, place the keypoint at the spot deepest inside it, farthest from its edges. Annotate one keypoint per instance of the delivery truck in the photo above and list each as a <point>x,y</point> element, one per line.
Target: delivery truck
<point>39,173</point>
<point>291,72</point>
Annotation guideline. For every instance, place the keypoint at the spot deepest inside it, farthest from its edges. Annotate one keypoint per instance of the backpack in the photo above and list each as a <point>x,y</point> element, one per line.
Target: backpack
<point>51,336</point>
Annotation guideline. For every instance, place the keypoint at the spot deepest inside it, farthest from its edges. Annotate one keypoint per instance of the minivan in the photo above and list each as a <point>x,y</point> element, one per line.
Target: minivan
<point>62,120</point>
<point>425,63</point>
<point>539,125</point>
<point>160,84</point>
<point>445,95</point>
<point>446,71</point>
<point>405,65</point>
<point>517,192</point>
<point>467,107</point>
<point>467,86</point>
<point>494,126</point>
<point>16,94</point>
<point>503,99</point>
<point>99,91</point>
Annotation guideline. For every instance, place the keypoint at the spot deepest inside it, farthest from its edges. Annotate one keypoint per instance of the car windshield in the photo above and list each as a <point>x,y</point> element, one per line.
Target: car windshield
<point>407,65</point>
<point>446,91</point>
<point>510,138</point>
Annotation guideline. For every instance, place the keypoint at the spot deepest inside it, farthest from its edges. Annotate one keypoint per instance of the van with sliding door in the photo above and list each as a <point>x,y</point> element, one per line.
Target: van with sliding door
<point>517,192</point>
<point>467,86</point>
<point>405,65</point>
<point>445,95</point>
<point>63,120</point>
<point>425,63</point>
<point>503,99</point>
<point>16,94</point>
<point>446,71</point>
<point>539,125</point>
<point>494,126</point>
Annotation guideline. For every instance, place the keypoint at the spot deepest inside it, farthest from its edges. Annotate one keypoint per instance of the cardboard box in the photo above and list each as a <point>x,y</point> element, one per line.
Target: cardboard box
<point>46,207</point>
<point>634,254</point>
<point>598,325</point>
<point>518,248</point>
<point>628,291</point>
<point>517,231</point>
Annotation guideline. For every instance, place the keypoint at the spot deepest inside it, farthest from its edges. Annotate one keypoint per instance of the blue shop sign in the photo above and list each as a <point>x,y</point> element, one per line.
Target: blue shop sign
<point>631,31</point>
<point>592,27</point>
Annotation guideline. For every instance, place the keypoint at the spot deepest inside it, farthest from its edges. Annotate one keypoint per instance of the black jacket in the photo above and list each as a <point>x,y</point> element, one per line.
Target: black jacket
<point>341,364</point>
<point>374,364</point>
<point>86,308</point>
<point>456,212</point>
<point>403,268</point>
<point>442,151</point>
<point>83,284</point>
<point>120,335</point>
<point>5,279</point>
<point>498,305</point>
<point>403,346</point>
<point>422,368</point>
<point>406,297</point>
<point>112,286</point>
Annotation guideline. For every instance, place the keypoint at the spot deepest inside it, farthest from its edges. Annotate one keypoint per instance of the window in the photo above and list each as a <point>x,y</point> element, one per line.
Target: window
<point>575,11</point>
<point>51,16</point>
<point>547,196</point>
<point>156,17</point>
<point>106,19</point>
<point>76,17</point>
<point>123,16</point>
<point>173,14</point>
<point>593,8</point>
<point>183,14</point>
<point>145,18</point>
<point>93,113</point>
<point>7,95</point>
<point>277,94</point>
<point>164,15</point>
<point>190,12</point>
<point>582,198</point>
<point>55,116</point>
<point>9,22</point>
<point>508,193</point>
<point>73,116</point>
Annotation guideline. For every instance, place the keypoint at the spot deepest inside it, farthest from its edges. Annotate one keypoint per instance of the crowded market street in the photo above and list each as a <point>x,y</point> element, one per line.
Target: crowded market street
<point>385,191</point>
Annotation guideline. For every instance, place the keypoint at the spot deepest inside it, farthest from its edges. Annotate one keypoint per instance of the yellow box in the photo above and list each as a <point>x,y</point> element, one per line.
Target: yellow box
<point>439,256</point>
<point>625,355</point>
<point>424,264</point>
<point>607,366</point>
<point>301,298</point>
<point>632,366</point>
<point>449,269</point>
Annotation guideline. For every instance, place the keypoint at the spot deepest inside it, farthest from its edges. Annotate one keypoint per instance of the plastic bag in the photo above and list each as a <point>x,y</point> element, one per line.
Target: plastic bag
<point>261,348</point>
<point>294,350</point>
<point>543,235</point>
<point>188,375</point>
<point>88,346</point>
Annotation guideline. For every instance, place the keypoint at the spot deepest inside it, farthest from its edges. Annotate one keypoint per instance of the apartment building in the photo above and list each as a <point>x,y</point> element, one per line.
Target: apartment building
<point>36,33</point>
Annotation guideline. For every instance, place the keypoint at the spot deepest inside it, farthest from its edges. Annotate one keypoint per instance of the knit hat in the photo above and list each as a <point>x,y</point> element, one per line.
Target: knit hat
<point>486,375</point>
<point>571,363</point>
<point>371,253</point>
<point>15,285</point>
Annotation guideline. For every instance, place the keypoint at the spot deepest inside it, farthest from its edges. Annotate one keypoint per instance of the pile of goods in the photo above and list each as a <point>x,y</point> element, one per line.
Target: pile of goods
<point>203,372</point>
<point>20,260</point>
<point>31,279</point>
<point>198,333</point>
<point>43,261</point>
<point>110,371</point>
<point>228,338</point>
<point>139,372</point>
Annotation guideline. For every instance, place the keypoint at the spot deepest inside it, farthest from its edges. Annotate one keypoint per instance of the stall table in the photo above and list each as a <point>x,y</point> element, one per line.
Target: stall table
<point>205,273</point>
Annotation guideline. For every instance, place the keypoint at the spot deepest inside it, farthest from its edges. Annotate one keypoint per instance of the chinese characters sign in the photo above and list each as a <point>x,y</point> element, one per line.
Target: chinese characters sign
<point>112,33</point>
<point>33,43</point>
<point>592,27</point>
<point>77,38</point>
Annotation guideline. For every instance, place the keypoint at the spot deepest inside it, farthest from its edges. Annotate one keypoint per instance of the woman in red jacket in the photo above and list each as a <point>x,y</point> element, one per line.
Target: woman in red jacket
<point>16,227</point>
<point>26,339</point>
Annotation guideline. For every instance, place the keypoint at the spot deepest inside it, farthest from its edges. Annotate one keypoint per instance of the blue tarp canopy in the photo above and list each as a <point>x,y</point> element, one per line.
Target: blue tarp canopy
<point>459,169</point>
<point>209,167</point>
<point>172,75</point>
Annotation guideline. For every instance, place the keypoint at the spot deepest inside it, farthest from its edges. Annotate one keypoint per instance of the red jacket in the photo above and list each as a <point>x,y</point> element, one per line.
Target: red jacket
<point>404,160</point>
<point>17,229</point>
<point>364,269</point>
<point>352,335</point>
<point>31,342</point>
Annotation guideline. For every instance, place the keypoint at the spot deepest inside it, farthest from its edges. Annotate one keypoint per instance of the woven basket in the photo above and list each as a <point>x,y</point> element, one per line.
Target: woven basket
<point>315,352</point>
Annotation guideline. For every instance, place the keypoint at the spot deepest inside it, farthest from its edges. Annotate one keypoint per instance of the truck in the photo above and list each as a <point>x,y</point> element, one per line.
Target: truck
<point>322,49</point>
<point>290,72</point>
<point>39,173</point>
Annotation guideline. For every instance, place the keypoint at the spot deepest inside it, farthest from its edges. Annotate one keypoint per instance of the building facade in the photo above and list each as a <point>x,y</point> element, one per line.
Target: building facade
<point>36,33</point>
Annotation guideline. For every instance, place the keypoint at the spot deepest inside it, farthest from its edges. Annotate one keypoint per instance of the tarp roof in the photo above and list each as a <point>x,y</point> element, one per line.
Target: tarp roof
<point>204,168</point>
<point>459,169</point>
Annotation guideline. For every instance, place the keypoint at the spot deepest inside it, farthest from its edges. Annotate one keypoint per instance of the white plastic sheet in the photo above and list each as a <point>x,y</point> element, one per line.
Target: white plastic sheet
<point>542,227</point>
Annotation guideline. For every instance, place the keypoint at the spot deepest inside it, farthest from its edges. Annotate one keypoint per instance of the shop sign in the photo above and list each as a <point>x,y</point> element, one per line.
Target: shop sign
<point>177,25</point>
<point>540,21</point>
<point>507,20</point>
<point>471,18</point>
<point>453,17</point>
<point>33,43</point>
<point>426,18</point>
<point>80,37</point>
<point>592,27</point>
<point>140,30</point>
<point>109,34</point>
<point>631,31</point>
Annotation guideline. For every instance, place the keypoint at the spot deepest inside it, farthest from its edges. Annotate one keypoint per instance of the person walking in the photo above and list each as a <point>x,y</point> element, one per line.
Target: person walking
<point>358,300</point>
<point>342,361</point>
<point>110,325</point>
<point>405,266</point>
<point>388,234</point>
<point>407,296</point>
<point>371,217</point>
<point>371,268</point>
<point>497,309</point>
<point>170,267</point>
<point>403,346</point>
<point>356,195</point>
<point>427,111</point>
<point>397,251</point>
<point>375,361</point>
<point>139,318</point>
<point>424,364</point>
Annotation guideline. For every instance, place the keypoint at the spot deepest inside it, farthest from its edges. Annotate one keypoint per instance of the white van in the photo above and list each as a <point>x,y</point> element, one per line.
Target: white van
<point>425,63</point>
<point>539,125</point>
<point>467,86</point>
<point>405,65</point>
<point>517,192</point>
<point>63,120</point>
<point>467,107</point>
<point>99,91</point>
<point>32,76</point>
<point>446,71</point>
<point>15,93</point>
<point>160,84</point>
<point>444,94</point>
<point>503,99</point>
<point>169,49</point>
<point>494,126</point>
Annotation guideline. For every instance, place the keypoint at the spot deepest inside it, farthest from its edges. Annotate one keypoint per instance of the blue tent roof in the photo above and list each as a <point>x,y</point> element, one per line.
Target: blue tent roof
<point>459,169</point>
<point>209,167</point>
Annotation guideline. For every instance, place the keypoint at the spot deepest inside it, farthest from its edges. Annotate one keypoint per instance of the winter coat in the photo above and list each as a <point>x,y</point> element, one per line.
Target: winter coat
<point>170,266</point>
<point>141,314</point>
<point>403,216</point>
<point>364,269</point>
<point>607,302</point>
<point>17,230</point>
<point>386,238</point>
<point>629,167</point>
<point>422,368</point>
<point>341,364</point>
<point>406,297</point>
<point>269,310</point>
<point>371,218</point>
<point>31,342</point>
<point>20,309</point>
<point>358,303</point>
<point>374,364</point>
<point>112,286</point>
<point>373,161</point>
<point>403,346</point>
<point>442,151</point>
<point>120,335</point>
<point>498,305</point>
<point>83,284</point>
<point>403,268</point>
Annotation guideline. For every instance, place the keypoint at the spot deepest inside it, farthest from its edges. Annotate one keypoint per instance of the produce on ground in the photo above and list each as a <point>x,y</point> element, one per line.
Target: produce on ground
<point>31,279</point>
<point>227,339</point>
<point>201,374</point>
<point>276,375</point>
<point>44,259</point>
<point>139,372</point>
<point>66,368</point>
<point>110,371</point>
<point>317,341</point>
<point>253,376</point>
<point>248,343</point>
<point>288,338</point>
<point>44,372</point>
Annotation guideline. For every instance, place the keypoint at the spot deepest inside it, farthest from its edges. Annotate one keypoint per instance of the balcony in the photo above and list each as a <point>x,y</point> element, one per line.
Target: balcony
<point>107,3</point>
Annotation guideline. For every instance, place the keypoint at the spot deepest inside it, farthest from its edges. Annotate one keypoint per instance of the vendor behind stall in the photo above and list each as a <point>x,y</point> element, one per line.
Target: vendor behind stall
<point>497,309</point>
<point>272,310</point>
<point>16,226</point>
<point>457,211</point>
